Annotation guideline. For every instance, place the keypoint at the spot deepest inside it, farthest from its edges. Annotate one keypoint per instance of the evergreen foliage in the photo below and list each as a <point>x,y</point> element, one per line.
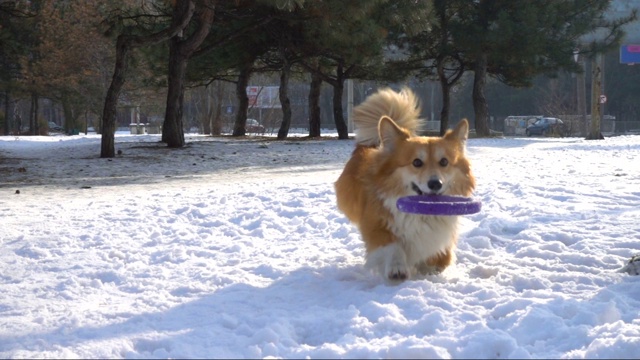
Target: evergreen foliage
<point>64,51</point>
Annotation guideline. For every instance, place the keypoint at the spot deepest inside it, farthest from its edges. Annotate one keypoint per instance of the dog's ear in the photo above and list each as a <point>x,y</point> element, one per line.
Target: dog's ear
<point>390,133</point>
<point>459,133</point>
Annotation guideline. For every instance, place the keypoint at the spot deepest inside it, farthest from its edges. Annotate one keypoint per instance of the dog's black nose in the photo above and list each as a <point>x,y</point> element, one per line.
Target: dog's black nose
<point>434,184</point>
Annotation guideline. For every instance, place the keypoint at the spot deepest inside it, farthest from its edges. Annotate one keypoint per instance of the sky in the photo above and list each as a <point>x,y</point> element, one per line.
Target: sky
<point>234,248</point>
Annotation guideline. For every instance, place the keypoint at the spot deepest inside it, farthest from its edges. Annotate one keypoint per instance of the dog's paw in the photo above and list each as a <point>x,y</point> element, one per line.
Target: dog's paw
<point>398,275</point>
<point>390,261</point>
<point>397,269</point>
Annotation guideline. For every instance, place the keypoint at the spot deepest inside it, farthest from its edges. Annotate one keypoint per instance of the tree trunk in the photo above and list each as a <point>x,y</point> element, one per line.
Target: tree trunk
<point>338,117</point>
<point>206,113</point>
<point>71,114</point>
<point>32,129</point>
<point>123,46</point>
<point>8,112</point>
<point>172,129</point>
<point>107,149</point>
<point>596,90</point>
<point>440,7</point>
<point>216,126</point>
<point>243,102</point>
<point>446,82</point>
<point>446,98</point>
<point>480,106</point>
<point>216,119</point>
<point>314,105</point>
<point>33,115</point>
<point>582,99</point>
<point>446,106</point>
<point>179,53</point>
<point>283,94</point>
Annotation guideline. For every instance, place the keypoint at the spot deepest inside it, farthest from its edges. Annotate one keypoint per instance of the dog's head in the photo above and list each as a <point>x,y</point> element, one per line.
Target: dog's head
<point>417,165</point>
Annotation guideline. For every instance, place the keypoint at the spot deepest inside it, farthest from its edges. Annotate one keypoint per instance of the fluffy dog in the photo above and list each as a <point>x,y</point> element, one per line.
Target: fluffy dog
<point>391,161</point>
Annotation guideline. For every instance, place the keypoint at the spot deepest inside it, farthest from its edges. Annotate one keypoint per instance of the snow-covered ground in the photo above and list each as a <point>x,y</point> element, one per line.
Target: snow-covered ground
<point>235,249</point>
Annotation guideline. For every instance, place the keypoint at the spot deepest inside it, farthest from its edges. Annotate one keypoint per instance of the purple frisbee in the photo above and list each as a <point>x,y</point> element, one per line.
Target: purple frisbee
<point>438,205</point>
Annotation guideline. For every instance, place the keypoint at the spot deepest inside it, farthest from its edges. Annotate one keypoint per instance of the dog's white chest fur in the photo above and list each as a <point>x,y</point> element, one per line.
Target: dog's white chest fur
<point>423,236</point>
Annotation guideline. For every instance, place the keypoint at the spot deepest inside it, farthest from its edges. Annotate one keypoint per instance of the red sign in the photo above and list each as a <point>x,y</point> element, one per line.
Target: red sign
<point>633,48</point>
<point>252,94</point>
<point>630,54</point>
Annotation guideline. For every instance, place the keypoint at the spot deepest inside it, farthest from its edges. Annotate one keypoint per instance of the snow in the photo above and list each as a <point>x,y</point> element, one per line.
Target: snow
<point>235,249</point>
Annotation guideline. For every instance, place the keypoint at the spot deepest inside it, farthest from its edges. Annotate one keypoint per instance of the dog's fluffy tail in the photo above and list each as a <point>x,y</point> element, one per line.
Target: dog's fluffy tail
<point>402,107</point>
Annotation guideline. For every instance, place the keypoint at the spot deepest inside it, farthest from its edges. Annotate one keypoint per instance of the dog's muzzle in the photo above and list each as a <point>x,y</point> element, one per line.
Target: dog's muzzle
<point>434,185</point>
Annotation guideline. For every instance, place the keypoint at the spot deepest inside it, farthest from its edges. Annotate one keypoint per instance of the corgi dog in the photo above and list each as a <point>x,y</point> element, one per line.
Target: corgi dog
<point>391,161</point>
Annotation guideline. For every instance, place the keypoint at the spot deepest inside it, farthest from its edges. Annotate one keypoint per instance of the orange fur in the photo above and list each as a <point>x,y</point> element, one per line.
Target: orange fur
<point>383,168</point>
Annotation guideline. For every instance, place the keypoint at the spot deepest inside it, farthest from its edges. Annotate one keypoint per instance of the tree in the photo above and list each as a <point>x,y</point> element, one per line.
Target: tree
<point>514,40</point>
<point>181,48</point>
<point>283,36</point>
<point>243,100</point>
<point>344,41</point>
<point>124,44</point>
<point>16,38</point>
<point>274,48</point>
<point>596,89</point>
<point>240,36</point>
<point>478,18</point>
<point>318,33</point>
<point>68,61</point>
<point>314,104</point>
<point>431,53</point>
<point>207,101</point>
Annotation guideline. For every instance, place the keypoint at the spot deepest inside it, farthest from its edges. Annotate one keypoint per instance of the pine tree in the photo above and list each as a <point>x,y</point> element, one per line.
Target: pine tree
<point>181,48</point>
<point>515,40</point>
<point>126,42</point>
<point>17,19</point>
<point>346,40</point>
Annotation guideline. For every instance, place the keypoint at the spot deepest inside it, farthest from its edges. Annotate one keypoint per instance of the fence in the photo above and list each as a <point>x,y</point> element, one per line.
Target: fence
<point>433,125</point>
<point>626,127</point>
<point>575,125</point>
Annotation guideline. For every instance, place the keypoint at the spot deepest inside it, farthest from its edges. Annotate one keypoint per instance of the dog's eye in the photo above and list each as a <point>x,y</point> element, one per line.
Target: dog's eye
<point>443,162</point>
<point>417,163</point>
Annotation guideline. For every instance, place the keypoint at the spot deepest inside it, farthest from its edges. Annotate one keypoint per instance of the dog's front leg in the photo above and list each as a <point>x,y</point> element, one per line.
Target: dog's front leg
<point>389,260</point>
<point>396,266</point>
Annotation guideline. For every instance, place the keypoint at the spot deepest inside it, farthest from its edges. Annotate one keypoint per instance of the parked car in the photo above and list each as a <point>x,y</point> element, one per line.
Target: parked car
<point>253,126</point>
<point>55,127</point>
<point>546,126</point>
